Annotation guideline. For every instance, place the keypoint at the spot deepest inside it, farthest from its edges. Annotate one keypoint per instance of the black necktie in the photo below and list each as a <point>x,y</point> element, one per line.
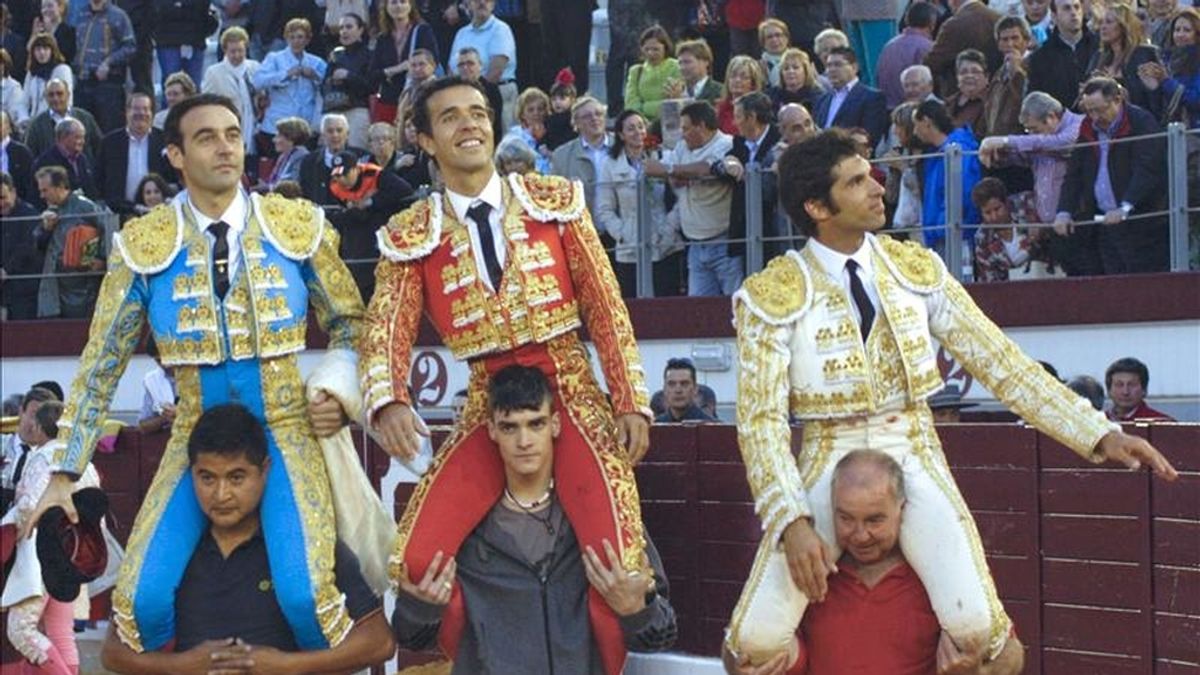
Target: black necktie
<point>220,258</point>
<point>479,213</point>
<point>866,311</point>
<point>20,464</point>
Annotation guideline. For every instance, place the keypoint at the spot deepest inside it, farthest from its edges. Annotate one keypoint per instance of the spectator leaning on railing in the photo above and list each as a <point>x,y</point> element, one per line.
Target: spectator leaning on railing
<point>701,211</point>
<point>1046,147</point>
<point>74,236</point>
<point>616,211</point>
<point>932,125</point>
<point>1113,182</point>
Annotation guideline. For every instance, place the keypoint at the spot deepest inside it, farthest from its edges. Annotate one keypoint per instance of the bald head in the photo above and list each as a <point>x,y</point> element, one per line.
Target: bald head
<point>795,123</point>
<point>865,469</point>
<point>868,500</point>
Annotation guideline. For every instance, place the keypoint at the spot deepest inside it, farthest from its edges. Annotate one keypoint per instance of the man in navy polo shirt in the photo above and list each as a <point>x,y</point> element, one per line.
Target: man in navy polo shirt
<point>227,616</point>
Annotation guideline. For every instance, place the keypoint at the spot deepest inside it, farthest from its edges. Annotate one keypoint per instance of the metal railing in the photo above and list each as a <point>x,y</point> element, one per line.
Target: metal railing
<point>1182,207</point>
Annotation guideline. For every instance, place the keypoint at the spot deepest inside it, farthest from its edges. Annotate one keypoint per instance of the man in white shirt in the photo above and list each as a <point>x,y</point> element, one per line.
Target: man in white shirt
<point>129,153</point>
<point>703,206</point>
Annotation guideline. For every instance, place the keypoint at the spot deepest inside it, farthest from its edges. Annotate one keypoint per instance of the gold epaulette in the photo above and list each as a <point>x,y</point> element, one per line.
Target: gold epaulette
<point>293,226</point>
<point>548,198</point>
<point>914,266</point>
<point>780,293</point>
<point>150,243</point>
<point>414,232</point>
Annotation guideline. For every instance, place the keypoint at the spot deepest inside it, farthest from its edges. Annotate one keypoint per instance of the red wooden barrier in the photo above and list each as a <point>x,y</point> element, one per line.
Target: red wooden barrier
<point>1098,566</point>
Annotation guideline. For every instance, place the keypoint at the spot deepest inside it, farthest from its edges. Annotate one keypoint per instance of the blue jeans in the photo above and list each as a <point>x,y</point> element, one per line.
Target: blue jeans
<point>712,271</point>
<point>171,61</point>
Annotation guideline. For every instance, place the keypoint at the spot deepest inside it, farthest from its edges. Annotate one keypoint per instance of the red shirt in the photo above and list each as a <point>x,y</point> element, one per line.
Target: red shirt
<point>1142,412</point>
<point>889,629</point>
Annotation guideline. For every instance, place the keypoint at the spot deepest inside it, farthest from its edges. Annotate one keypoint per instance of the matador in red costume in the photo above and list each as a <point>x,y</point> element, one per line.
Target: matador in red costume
<point>507,270</point>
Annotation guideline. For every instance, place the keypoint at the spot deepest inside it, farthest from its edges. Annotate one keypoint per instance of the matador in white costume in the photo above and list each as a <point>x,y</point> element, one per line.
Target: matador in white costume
<point>841,335</point>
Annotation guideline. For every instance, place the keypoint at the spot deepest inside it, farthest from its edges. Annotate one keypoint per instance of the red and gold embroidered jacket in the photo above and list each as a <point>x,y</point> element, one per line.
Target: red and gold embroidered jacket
<point>556,279</point>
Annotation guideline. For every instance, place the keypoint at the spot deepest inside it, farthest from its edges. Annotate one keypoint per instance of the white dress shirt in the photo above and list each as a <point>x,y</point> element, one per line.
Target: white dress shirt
<point>494,197</point>
<point>138,164</point>
<point>234,216</point>
<point>834,264</point>
<point>839,97</point>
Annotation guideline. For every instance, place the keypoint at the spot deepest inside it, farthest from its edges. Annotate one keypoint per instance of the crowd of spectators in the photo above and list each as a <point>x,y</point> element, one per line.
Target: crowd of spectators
<point>700,95</point>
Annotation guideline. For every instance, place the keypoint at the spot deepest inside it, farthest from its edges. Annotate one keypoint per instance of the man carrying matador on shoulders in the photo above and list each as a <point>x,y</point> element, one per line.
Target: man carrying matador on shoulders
<point>508,269</point>
<point>841,335</point>
<point>225,280</point>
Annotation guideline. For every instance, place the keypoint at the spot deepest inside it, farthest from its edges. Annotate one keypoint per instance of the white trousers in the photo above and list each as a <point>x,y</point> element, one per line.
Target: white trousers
<point>937,535</point>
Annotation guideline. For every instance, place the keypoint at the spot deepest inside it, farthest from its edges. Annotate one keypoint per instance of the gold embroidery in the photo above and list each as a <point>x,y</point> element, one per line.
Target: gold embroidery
<point>199,318</point>
<point>551,198</point>
<point>284,407</point>
<point>779,291</point>
<point>291,224</point>
<point>263,278</point>
<point>280,341</point>
<point>152,241</point>
<point>914,262</point>
<point>171,468</point>
<point>412,229</point>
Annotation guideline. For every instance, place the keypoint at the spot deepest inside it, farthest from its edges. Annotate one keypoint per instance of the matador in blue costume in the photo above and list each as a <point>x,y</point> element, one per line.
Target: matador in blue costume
<point>226,297</point>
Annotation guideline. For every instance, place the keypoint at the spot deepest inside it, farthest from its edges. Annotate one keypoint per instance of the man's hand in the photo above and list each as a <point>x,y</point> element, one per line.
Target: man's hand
<point>1133,452</point>
<point>776,665</point>
<point>253,659</point>
<point>435,586</point>
<point>654,167</point>
<point>50,220</point>
<point>1062,225</point>
<point>954,661</point>
<point>809,559</point>
<point>58,493</point>
<point>398,428</point>
<point>326,415</point>
<point>633,432</point>
<point>734,168</point>
<point>1114,216</point>
<point>990,149</point>
<point>625,592</point>
<point>168,412</point>
<point>102,71</point>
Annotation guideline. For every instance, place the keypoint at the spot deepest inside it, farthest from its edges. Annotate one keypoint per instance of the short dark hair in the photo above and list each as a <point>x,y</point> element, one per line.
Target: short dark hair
<point>420,107</point>
<point>971,55</point>
<point>1011,22</point>
<point>173,135</point>
<point>700,112</point>
<point>1127,365</point>
<point>935,111</point>
<point>845,52</point>
<point>921,15</point>
<point>806,172</point>
<point>140,94</point>
<point>7,180</point>
<point>680,364</point>
<point>229,429</point>
<point>52,387</point>
<point>988,189</point>
<point>517,387</point>
<point>37,395</point>
<point>57,176</point>
<point>1107,86</point>
<point>47,417</point>
<point>1087,387</point>
<point>758,104</point>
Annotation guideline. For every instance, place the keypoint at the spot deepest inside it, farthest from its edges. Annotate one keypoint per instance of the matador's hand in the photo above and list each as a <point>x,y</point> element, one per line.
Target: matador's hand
<point>326,414</point>
<point>1133,452</point>
<point>398,427</point>
<point>58,493</point>
<point>634,434</point>
<point>809,559</point>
